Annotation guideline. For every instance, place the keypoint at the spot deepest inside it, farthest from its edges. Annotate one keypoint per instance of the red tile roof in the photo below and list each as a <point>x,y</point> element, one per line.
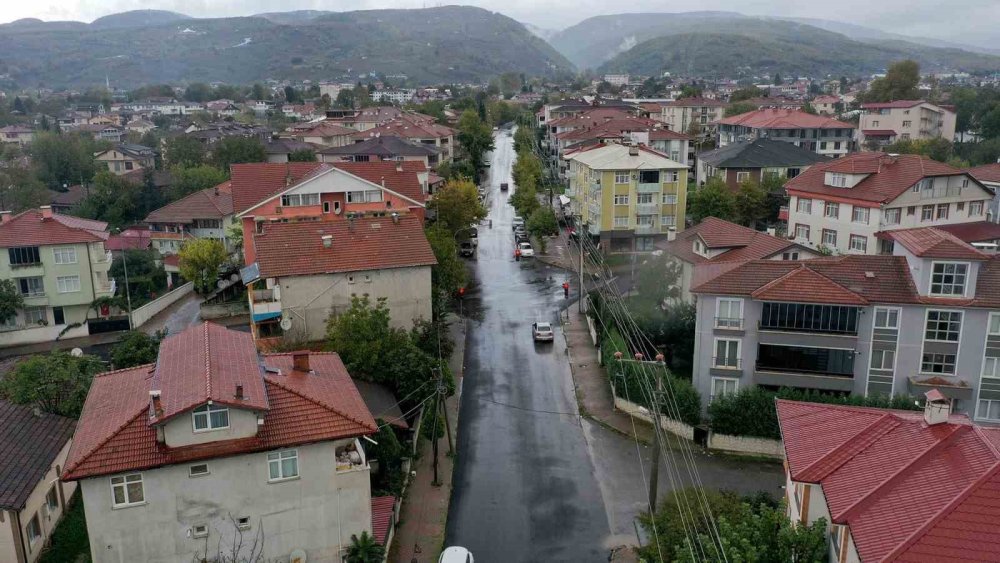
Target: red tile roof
<point>806,283</point>
<point>210,203</point>
<point>979,231</point>
<point>117,433</point>
<point>774,118</point>
<point>931,242</point>
<point>746,244</point>
<point>986,173</point>
<point>667,135</point>
<point>29,228</point>
<point>383,511</point>
<point>409,129</point>
<point>908,491</point>
<point>590,118</point>
<point>609,127</point>
<point>400,177</point>
<point>362,244</point>
<point>254,182</point>
<point>888,176</point>
<point>134,238</point>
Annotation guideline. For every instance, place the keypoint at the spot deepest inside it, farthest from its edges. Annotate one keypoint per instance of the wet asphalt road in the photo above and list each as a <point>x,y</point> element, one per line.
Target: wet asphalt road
<point>524,485</point>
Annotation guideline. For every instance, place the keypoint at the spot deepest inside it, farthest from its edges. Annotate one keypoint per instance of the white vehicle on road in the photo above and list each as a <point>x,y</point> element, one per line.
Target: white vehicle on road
<point>455,554</point>
<point>526,250</point>
<point>542,332</point>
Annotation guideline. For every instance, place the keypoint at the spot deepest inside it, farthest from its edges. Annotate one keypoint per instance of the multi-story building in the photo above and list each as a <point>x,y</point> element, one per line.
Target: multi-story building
<point>755,160</point>
<point>18,134</point>
<point>385,147</point>
<point>60,265</point>
<point>616,79</point>
<point>628,196</point>
<point>826,105</point>
<point>321,134</point>
<point>904,120</point>
<point>400,96</point>
<point>428,133</point>
<point>836,324</point>
<point>816,133</point>
<point>202,214</point>
<point>217,452</point>
<point>840,205</point>
<point>126,157</point>
<point>680,114</point>
<point>989,175</point>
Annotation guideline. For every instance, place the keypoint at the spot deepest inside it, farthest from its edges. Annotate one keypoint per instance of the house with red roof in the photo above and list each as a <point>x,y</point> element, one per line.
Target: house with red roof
<point>894,486</point>
<point>841,205</point>
<point>817,133</point>
<point>989,175</point>
<point>203,214</point>
<point>835,324</point>
<point>60,265</point>
<point>416,130</point>
<point>216,442</point>
<point>904,120</point>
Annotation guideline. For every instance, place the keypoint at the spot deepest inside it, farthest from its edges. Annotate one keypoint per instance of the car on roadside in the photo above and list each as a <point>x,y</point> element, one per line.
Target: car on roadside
<point>518,222</point>
<point>504,187</point>
<point>521,236</point>
<point>466,249</point>
<point>525,248</point>
<point>474,236</point>
<point>455,554</point>
<point>542,332</point>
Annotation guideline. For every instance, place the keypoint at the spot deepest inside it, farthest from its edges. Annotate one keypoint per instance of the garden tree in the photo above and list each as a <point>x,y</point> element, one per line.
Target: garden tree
<point>146,279</point>
<point>808,108</point>
<point>149,139</point>
<point>389,453</point>
<point>187,180</point>
<point>364,549</point>
<point>541,224</point>
<point>657,282</point>
<point>20,188</point>
<point>136,348</point>
<point>524,139</point>
<point>694,130</point>
<point>689,91</point>
<point>457,206</point>
<point>750,205</point>
<point>63,159</point>
<point>302,155</point>
<point>258,92</point>
<point>10,300</point>
<point>456,170</point>
<point>184,151</point>
<point>236,150</point>
<point>449,273</point>
<point>525,200</point>
<point>737,109</point>
<point>937,148</point>
<point>777,79</point>
<point>527,170</point>
<point>501,112</point>
<point>200,260</point>
<point>433,108</point>
<point>292,95</point>
<point>745,94</point>
<point>152,91</point>
<point>198,92</point>
<point>900,83</point>
<point>475,136</point>
<point>714,199</point>
<point>117,201</point>
<point>345,99</point>
<point>56,382</point>
<point>433,337</point>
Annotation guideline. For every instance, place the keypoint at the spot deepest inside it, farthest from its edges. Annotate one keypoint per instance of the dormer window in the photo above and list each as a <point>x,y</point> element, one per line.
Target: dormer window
<point>838,180</point>
<point>210,417</point>
<point>948,279</point>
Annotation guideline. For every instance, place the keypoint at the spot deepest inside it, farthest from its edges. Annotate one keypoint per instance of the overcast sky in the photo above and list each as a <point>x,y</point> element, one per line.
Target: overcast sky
<point>966,21</point>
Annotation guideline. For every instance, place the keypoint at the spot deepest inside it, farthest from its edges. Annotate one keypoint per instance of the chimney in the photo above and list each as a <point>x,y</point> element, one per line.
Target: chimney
<point>239,391</point>
<point>46,211</point>
<point>395,217</point>
<point>399,166</point>
<point>157,406</point>
<point>633,151</point>
<point>672,233</point>
<point>937,408</point>
<point>327,241</point>
<point>5,217</point>
<point>300,361</point>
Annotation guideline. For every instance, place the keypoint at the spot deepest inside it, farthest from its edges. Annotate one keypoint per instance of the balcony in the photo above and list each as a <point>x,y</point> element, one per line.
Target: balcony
<point>647,208</point>
<point>949,191</point>
<point>799,366</point>
<point>646,229</point>
<point>266,303</point>
<point>350,457</point>
<point>816,319</point>
<point>728,323</point>
<point>650,188</point>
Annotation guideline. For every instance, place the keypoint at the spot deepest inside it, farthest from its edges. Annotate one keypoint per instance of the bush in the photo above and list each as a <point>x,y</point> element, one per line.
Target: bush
<point>751,412</point>
<point>69,540</point>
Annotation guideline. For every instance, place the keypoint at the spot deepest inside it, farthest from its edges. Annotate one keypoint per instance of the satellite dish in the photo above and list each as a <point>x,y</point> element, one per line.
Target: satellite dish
<point>76,353</point>
<point>286,323</point>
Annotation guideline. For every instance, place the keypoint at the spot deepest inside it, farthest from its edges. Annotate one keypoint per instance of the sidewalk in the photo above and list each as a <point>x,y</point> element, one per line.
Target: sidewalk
<point>424,514</point>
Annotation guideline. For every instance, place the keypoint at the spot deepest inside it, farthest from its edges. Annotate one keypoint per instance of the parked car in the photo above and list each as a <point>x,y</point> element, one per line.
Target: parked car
<point>466,248</point>
<point>518,222</point>
<point>504,187</point>
<point>521,236</point>
<point>474,236</point>
<point>455,554</point>
<point>526,249</point>
<point>542,332</point>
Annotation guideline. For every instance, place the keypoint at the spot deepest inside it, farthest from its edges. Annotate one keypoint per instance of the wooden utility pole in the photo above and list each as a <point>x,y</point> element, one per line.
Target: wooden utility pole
<point>434,428</point>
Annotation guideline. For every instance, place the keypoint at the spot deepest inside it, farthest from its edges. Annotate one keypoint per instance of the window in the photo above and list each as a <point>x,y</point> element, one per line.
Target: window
<point>990,367</point>
<point>988,409</point>
<point>838,180</point>
<point>207,224</point>
<point>34,530</point>
<point>943,326</point>
<point>649,177</point>
<point>831,210</point>
<point>243,523</point>
<point>644,220</point>
<point>729,313</point>
<point>68,284</point>
<point>199,531</point>
<point>298,200</point>
<point>802,231</point>
<point>64,255</point>
<point>326,207</point>
<point>836,146</point>
<point>886,318</point>
<point>893,216</point>
<point>621,222</point>
<point>994,324</point>
<point>907,123</point>
<point>942,211</point>
<point>283,465</point>
<point>837,535</point>
<point>975,208</point>
<point>644,199</point>
<point>355,197</point>
<point>829,237</point>
<point>24,255</point>
<point>911,210</point>
<point>927,213</point>
<point>804,206</point>
<point>948,278</point>
<point>723,385</point>
<point>883,359</point>
<point>198,470</point>
<point>58,316</point>
<point>727,353</point>
<point>860,214</point>
<point>52,499</point>
<point>126,490</point>
<point>373,196</point>
<point>668,220</point>
<point>943,364</point>
<point>210,417</point>
<point>621,199</point>
<point>621,177</point>
<point>859,243</point>
<point>822,146</point>
<point>790,256</point>
<point>669,199</point>
<point>808,317</point>
<point>31,287</point>
<point>875,123</point>
<point>742,177</point>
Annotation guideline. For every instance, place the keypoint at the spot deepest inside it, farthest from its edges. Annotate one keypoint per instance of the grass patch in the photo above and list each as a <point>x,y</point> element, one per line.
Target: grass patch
<point>70,543</point>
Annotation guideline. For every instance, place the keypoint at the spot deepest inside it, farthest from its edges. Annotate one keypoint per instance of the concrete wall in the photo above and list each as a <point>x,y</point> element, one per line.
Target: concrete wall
<point>309,300</point>
<point>746,445</point>
<point>44,333</point>
<point>180,431</point>
<point>317,512</point>
<point>142,315</point>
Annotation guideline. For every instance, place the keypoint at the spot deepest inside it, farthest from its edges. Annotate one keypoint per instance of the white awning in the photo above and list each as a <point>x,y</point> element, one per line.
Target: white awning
<point>563,200</point>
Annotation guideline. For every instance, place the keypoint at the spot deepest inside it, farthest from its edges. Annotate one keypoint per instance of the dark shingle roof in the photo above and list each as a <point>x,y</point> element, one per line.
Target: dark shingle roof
<point>384,146</point>
<point>29,445</point>
<point>762,153</point>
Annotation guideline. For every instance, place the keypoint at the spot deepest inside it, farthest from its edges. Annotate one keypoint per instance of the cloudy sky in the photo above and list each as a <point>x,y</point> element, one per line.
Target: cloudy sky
<point>965,21</point>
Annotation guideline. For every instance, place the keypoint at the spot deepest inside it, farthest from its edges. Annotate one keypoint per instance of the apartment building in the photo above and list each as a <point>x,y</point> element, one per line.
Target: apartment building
<point>60,265</point>
<point>836,324</point>
<point>842,204</point>
<point>755,160</point>
<point>989,175</point>
<point>680,114</point>
<point>385,147</point>
<point>904,120</point>
<point>822,135</point>
<point>203,214</point>
<point>893,485</point>
<point>826,105</point>
<point>426,133</point>
<point>218,452</point>
<point>628,196</point>
<point>127,157</point>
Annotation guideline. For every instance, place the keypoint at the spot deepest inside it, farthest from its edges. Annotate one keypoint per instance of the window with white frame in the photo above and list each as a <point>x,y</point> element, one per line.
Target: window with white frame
<point>838,180</point>
<point>942,211</point>
<point>883,359</point>
<point>975,208</point>
<point>621,177</point>
<point>621,199</point>
<point>886,318</point>
<point>893,216</point>
<point>643,199</point>
<point>938,364</point>
<point>837,537</point>
<point>993,327</point>
<point>621,222</point>
<point>860,214</point>
<point>298,200</point>
<point>831,210</point>
<point>283,465</point>
<point>126,490</point>
<point>68,284</point>
<point>927,213</point>
<point>199,531</point>
<point>802,231</point>
<point>949,278</point>
<point>943,326</point>
<point>829,237</point>
<point>198,470</point>
<point>804,206</point>
<point>793,255</point>
<point>210,417</point>
<point>988,409</point>
<point>728,313</point>
<point>669,199</point>
<point>858,243</point>
<point>991,367</point>
<point>52,499</point>
<point>35,315</point>
<point>727,353</point>
<point>64,254</point>
<point>668,220</point>
<point>724,385</point>
<point>742,177</point>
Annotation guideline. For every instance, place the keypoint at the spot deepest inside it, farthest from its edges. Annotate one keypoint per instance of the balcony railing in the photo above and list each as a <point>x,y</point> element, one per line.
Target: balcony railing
<point>647,208</point>
<point>648,188</point>
<point>641,229</point>
<point>264,296</point>
<point>804,371</point>
<point>729,323</point>
<point>727,362</point>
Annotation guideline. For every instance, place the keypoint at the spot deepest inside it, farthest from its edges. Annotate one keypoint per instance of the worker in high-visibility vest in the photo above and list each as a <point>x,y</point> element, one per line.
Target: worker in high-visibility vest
<point>517,254</point>
<point>566,289</point>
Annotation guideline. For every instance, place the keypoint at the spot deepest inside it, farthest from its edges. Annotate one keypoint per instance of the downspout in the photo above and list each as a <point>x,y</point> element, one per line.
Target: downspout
<point>16,521</point>
<point>93,284</point>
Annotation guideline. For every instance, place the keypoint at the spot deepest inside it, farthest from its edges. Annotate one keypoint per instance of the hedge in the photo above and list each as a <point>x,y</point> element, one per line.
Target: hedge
<point>750,411</point>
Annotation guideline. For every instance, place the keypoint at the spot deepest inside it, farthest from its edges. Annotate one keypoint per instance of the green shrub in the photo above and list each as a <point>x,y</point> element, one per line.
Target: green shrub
<point>69,540</point>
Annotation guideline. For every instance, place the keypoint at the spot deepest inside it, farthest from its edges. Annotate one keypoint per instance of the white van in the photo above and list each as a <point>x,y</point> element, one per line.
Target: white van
<point>455,554</point>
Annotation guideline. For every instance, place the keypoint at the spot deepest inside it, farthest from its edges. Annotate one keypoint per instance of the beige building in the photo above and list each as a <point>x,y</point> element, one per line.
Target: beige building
<point>903,120</point>
<point>126,158</point>
<point>680,114</point>
<point>32,498</point>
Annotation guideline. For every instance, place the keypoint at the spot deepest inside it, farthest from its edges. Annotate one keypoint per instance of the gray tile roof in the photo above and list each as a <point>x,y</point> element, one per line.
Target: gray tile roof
<point>386,146</point>
<point>29,445</point>
<point>762,153</point>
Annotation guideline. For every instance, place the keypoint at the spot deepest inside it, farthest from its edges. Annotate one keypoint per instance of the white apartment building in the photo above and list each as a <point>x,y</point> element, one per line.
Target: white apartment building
<point>904,120</point>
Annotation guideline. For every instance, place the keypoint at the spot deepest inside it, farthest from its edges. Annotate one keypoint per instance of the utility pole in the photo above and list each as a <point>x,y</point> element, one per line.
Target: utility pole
<point>579,241</point>
<point>434,428</point>
<point>654,475</point>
